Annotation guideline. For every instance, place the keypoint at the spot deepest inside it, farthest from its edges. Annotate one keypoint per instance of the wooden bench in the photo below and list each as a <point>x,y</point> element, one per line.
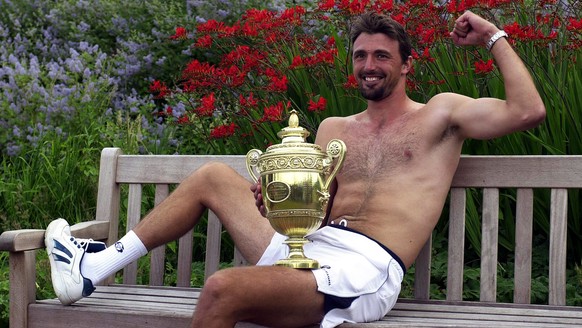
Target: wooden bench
<point>131,305</point>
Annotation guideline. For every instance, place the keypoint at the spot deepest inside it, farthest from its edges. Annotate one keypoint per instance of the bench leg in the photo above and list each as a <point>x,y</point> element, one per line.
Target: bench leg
<point>22,286</point>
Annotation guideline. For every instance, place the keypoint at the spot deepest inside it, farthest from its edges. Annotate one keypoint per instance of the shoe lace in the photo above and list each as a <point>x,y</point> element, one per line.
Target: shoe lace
<point>83,242</point>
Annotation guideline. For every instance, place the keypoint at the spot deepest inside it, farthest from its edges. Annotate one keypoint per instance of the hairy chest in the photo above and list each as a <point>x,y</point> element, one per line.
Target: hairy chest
<point>376,153</point>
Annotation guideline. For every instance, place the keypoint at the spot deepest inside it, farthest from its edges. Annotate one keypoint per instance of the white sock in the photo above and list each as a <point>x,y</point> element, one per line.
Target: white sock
<point>100,265</point>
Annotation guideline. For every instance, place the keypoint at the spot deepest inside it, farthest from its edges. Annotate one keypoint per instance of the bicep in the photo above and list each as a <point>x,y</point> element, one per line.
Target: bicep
<point>484,118</point>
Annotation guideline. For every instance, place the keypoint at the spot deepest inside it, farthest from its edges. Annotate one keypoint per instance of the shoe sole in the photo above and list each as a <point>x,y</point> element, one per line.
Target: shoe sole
<point>55,228</point>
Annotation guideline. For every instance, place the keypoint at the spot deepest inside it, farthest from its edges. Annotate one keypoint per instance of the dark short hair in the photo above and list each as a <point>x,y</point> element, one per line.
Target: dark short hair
<point>372,23</point>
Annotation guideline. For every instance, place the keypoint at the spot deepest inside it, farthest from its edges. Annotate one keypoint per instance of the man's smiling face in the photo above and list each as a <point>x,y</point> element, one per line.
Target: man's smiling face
<point>377,65</point>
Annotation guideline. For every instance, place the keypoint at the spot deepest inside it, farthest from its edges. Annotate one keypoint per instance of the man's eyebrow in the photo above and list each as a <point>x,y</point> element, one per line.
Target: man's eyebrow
<point>375,52</point>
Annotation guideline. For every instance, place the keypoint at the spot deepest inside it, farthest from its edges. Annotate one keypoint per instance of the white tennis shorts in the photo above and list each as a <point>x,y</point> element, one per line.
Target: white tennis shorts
<point>360,278</point>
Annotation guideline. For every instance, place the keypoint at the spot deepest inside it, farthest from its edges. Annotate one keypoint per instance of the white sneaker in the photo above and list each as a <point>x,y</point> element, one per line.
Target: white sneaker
<point>65,254</point>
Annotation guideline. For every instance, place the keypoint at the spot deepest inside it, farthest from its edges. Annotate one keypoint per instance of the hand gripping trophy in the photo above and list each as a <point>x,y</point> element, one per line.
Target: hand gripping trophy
<point>295,178</point>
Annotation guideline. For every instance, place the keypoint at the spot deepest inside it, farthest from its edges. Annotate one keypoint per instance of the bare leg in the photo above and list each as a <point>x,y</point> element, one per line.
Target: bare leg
<point>220,188</point>
<point>266,295</point>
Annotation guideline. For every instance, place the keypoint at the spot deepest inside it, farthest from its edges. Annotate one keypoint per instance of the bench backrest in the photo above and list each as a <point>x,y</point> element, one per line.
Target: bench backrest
<point>488,172</point>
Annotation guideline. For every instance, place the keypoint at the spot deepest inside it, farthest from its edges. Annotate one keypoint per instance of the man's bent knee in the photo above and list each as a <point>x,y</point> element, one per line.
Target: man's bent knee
<point>220,292</point>
<point>218,173</point>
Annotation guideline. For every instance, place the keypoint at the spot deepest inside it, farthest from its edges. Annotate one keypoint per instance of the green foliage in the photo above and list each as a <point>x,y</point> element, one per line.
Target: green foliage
<point>37,186</point>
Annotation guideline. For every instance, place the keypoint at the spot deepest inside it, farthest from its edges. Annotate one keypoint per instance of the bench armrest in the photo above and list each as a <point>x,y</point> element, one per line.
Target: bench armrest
<point>31,239</point>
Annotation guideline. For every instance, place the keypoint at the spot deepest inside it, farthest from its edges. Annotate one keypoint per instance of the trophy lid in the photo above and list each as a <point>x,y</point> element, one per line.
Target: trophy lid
<point>294,132</point>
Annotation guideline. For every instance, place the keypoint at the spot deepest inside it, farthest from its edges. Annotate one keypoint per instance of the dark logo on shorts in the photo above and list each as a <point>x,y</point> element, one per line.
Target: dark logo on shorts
<point>325,268</point>
<point>119,247</point>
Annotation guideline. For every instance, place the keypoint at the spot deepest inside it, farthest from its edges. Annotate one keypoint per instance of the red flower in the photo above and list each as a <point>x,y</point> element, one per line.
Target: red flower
<point>317,106</point>
<point>232,76</point>
<point>574,25</point>
<point>247,103</point>
<point>426,55</point>
<point>330,42</point>
<point>209,26</point>
<point>482,67</point>
<point>206,107</point>
<point>278,84</point>
<point>354,6</point>
<point>351,83</point>
<point>297,62</point>
<point>273,113</point>
<point>250,101</point>
<point>384,5</point>
<point>198,75</point>
<point>159,89</point>
<point>452,6</point>
<point>204,41</point>
<point>223,131</point>
<point>326,5</point>
<point>180,34</point>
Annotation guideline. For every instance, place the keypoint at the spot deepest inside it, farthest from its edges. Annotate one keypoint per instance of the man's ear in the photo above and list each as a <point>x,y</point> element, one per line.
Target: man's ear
<point>407,65</point>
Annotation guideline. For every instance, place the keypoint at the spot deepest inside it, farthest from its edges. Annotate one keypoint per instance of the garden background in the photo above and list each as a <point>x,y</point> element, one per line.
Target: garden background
<point>219,77</point>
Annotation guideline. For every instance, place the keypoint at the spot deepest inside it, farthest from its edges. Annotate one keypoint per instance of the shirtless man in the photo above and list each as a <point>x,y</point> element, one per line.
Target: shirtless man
<point>386,200</point>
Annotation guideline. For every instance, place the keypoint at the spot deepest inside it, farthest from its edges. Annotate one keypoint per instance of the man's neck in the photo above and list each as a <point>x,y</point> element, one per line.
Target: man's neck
<point>389,108</point>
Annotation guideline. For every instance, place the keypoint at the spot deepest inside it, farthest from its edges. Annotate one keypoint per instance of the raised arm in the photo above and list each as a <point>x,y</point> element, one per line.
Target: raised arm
<point>486,118</point>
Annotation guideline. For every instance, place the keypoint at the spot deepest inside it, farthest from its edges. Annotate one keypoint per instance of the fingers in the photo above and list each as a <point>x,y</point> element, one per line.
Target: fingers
<point>256,189</point>
<point>461,28</point>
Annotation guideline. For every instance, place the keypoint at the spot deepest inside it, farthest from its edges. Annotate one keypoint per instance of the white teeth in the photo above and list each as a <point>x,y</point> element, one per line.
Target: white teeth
<point>371,78</point>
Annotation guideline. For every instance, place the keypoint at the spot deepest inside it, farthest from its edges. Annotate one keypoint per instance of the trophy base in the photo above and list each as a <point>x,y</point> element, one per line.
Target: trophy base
<point>303,263</point>
<point>296,258</point>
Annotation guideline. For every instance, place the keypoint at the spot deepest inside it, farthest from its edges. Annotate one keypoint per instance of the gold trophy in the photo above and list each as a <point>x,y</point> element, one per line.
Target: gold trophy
<point>295,180</point>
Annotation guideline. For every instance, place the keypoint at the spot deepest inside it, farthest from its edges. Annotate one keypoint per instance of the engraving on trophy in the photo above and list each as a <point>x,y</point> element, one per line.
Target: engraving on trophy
<point>278,191</point>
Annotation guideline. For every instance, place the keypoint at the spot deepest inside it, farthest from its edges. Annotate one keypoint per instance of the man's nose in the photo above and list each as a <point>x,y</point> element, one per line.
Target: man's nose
<point>370,63</point>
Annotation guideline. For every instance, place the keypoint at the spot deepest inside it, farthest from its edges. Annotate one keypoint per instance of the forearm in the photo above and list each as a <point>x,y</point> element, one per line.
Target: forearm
<point>521,94</point>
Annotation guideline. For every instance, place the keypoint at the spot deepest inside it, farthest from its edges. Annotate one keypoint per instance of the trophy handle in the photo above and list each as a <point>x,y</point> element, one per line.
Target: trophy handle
<point>335,149</point>
<point>252,161</point>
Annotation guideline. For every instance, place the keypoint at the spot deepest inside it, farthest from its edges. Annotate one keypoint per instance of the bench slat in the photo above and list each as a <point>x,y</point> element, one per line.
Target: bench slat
<point>158,255</point>
<point>109,195</point>
<point>533,172</point>
<point>185,259</point>
<point>138,168</point>
<point>422,271</point>
<point>535,310</point>
<point>133,218</point>
<point>456,247</point>
<point>213,238</point>
<point>558,239</point>
<point>489,237</point>
<point>523,246</point>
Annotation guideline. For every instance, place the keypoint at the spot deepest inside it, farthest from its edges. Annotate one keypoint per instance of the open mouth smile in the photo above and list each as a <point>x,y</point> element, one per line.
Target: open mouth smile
<point>371,78</point>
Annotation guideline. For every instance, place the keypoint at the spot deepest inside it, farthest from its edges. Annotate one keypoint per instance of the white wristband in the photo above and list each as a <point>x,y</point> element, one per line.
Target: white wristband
<point>494,38</point>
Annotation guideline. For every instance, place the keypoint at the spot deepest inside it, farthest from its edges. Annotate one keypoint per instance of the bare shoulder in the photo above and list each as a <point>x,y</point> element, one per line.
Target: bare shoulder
<point>331,128</point>
<point>446,100</point>
<point>333,123</point>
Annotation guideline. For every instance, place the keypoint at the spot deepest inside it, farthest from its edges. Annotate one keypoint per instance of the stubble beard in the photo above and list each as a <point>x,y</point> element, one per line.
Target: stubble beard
<point>375,94</point>
<point>380,91</point>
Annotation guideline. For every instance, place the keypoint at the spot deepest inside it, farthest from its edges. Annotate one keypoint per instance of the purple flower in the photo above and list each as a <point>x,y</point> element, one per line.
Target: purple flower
<point>12,150</point>
<point>83,27</point>
<point>16,131</point>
